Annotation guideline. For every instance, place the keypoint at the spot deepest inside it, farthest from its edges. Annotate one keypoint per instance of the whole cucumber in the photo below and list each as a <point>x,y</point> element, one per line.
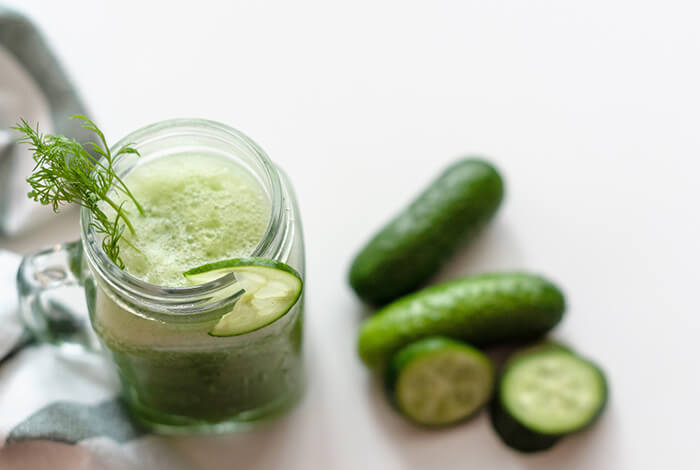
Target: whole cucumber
<point>481,310</point>
<point>412,247</point>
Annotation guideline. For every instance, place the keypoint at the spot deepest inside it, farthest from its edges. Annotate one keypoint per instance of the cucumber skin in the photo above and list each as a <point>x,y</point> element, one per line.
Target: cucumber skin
<point>480,310</point>
<point>519,437</point>
<point>412,247</point>
<point>515,435</point>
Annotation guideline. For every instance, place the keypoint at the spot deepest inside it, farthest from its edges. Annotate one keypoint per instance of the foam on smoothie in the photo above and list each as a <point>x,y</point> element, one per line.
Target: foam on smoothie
<point>198,209</point>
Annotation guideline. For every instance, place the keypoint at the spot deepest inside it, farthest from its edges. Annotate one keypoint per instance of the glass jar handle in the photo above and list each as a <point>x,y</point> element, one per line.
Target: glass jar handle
<point>52,298</point>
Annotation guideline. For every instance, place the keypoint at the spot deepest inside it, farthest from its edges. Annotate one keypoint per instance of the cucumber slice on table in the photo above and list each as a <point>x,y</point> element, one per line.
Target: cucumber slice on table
<point>515,435</point>
<point>438,381</point>
<point>546,393</point>
<point>481,310</point>
<point>271,289</point>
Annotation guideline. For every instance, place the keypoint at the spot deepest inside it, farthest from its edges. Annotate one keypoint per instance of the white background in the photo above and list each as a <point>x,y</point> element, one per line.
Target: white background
<point>592,111</point>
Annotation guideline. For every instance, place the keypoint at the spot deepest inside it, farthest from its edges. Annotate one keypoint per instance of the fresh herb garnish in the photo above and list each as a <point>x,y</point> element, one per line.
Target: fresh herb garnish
<point>66,172</point>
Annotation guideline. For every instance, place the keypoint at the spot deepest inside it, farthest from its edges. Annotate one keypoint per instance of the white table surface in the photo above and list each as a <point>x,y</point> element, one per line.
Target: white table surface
<point>591,110</point>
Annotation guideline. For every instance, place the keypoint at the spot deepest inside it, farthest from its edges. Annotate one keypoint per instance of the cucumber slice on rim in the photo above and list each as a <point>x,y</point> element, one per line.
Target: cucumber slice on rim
<point>552,391</point>
<point>438,381</point>
<point>271,289</point>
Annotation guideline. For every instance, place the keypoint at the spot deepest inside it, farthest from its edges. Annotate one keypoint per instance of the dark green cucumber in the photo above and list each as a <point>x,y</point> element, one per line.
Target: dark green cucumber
<point>545,393</point>
<point>438,381</point>
<point>480,310</point>
<point>410,249</point>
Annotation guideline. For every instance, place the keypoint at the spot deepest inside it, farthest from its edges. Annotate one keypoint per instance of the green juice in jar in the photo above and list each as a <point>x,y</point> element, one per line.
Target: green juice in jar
<point>198,209</point>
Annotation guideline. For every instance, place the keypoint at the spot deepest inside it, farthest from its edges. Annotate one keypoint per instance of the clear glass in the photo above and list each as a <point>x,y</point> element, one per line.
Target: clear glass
<point>175,377</point>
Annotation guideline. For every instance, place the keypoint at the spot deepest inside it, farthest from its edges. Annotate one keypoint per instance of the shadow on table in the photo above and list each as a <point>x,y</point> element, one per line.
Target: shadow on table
<point>474,444</point>
<point>495,248</point>
<point>280,443</point>
<point>269,446</point>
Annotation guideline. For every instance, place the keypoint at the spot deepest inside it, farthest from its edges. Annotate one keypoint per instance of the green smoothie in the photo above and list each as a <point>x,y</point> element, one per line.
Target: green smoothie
<point>198,209</point>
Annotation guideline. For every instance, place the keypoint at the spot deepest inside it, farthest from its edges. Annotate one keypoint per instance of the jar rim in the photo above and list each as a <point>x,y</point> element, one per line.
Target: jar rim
<point>179,300</point>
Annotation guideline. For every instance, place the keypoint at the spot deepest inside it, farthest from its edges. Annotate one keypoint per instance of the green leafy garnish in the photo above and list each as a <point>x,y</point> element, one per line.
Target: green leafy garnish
<point>66,172</point>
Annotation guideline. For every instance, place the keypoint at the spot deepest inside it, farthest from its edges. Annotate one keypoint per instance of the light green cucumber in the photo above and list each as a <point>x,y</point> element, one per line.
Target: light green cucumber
<point>480,310</point>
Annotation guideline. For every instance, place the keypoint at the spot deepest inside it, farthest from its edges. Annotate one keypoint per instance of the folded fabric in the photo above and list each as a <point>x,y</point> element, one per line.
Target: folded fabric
<point>33,86</point>
<point>51,400</point>
<point>12,334</point>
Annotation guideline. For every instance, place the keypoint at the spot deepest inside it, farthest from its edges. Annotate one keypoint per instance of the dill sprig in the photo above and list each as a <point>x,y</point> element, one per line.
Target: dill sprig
<point>66,172</point>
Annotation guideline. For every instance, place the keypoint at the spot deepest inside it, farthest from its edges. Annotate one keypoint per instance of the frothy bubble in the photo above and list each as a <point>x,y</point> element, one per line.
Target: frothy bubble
<point>198,209</point>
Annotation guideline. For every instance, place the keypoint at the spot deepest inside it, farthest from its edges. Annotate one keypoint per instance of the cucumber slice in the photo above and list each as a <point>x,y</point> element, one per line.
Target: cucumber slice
<point>546,392</point>
<point>271,289</point>
<point>517,436</point>
<point>438,381</point>
<point>553,391</point>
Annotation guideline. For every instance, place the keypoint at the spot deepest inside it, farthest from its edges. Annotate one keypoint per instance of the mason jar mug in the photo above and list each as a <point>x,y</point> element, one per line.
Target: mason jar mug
<point>175,377</point>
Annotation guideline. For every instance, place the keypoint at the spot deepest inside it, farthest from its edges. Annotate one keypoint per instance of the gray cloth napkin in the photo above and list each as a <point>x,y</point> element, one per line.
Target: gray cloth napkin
<point>63,406</point>
<point>13,335</point>
<point>33,86</point>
